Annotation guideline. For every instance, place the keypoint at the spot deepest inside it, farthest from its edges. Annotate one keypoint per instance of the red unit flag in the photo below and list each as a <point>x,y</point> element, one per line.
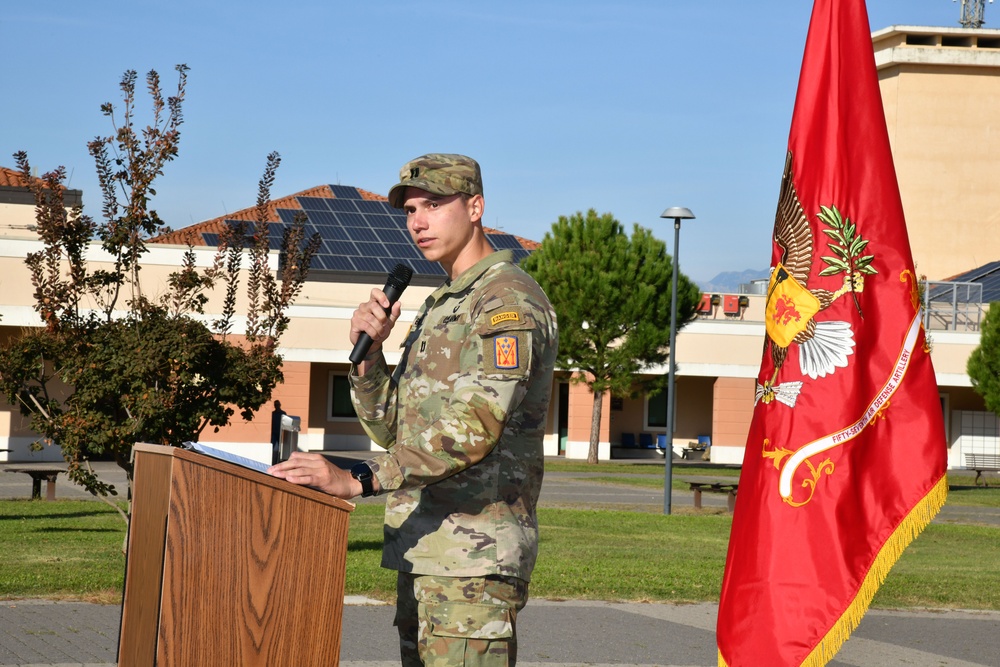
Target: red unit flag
<point>846,455</point>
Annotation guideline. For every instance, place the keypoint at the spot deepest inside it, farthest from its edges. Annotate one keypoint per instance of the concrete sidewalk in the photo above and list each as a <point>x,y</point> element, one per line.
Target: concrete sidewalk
<point>37,633</point>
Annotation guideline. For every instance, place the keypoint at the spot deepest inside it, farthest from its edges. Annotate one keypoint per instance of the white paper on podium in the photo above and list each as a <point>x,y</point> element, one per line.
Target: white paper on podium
<point>226,456</point>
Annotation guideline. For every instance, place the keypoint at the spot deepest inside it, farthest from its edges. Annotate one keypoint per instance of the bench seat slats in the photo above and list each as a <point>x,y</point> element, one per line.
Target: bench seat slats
<point>982,463</point>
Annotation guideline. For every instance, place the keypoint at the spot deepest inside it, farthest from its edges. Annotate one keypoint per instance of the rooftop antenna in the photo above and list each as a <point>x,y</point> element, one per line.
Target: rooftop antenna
<point>972,13</point>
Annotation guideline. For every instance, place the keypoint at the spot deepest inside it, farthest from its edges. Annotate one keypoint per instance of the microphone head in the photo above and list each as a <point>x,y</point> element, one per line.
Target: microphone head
<point>400,277</point>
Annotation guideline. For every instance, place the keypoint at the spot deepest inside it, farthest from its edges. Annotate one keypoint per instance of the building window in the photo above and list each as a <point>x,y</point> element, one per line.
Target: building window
<point>339,405</point>
<point>656,411</point>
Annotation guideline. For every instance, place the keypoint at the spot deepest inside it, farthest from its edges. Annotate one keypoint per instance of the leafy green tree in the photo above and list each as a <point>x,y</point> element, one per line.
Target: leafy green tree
<point>611,294</point>
<point>115,363</point>
<point>984,362</point>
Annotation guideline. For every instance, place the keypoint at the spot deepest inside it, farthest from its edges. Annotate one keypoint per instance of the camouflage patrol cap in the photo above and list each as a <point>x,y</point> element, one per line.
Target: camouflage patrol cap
<point>440,174</point>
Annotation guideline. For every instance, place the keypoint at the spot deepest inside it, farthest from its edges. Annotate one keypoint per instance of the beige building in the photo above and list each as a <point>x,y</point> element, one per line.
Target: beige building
<point>940,87</point>
<point>941,92</point>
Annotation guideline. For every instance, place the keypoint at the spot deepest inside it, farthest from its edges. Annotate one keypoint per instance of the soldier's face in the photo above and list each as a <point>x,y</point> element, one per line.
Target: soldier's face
<point>441,226</point>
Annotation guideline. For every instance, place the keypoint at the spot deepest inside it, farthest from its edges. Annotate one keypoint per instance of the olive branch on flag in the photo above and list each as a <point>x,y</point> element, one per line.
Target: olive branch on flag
<point>848,246</point>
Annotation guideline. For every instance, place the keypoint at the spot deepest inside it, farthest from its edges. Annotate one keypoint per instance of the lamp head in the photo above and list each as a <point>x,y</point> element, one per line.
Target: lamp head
<point>678,213</point>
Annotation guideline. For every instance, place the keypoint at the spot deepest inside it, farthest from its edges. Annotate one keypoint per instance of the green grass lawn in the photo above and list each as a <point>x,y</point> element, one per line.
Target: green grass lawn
<point>62,549</point>
<point>71,550</point>
<point>962,493</point>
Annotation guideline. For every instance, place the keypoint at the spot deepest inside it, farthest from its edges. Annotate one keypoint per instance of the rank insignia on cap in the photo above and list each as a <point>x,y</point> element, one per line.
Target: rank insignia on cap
<point>505,352</point>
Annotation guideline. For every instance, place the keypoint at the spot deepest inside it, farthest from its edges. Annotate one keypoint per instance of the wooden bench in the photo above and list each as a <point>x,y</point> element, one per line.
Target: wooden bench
<point>39,473</point>
<point>714,487</point>
<point>982,463</point>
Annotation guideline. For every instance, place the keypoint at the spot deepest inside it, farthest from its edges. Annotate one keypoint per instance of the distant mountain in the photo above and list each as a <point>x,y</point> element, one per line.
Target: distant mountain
<point>729,281</point>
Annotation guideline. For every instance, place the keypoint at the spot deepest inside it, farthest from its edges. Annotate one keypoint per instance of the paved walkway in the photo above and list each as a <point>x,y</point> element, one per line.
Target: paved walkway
<point>36,633</point>
<point>552,634</point>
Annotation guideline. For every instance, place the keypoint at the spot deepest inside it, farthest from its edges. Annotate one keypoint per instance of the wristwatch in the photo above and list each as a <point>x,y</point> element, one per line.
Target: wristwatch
<point>363,473</point>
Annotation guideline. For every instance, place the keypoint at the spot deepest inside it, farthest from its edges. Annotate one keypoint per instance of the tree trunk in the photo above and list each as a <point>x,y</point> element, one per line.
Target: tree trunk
<point>595,427</point>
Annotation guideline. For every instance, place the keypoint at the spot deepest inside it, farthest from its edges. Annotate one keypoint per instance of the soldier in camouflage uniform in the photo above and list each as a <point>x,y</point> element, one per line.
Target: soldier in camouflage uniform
<point>462,419</point>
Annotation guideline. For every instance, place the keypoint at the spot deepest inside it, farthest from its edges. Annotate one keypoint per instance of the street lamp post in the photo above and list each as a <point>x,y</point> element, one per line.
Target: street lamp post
<point>678,214</point>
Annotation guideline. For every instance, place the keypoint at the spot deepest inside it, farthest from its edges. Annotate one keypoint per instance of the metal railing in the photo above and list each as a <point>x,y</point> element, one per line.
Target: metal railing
<point>950,306</point>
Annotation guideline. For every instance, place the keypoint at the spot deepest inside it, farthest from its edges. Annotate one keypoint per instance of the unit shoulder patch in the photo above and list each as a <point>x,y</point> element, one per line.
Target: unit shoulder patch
<point>507,353</point>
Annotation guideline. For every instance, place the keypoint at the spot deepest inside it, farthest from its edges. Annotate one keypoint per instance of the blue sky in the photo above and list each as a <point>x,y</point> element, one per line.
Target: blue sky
<point>627,107</point>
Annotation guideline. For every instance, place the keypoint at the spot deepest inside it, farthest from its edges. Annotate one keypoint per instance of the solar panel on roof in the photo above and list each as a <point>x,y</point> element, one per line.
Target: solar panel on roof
<point>503,241</point>
<point>424,268</point>
<point>314,203</point>
<point>334,232</point>
<point>392,235</point>
<point>322,218</point>
<point>987,275</point>
<point>361,234</point>
<point>371,264</point>
<point>386,221</point>
<point>378,207</point>
<point>345,192</point>
<point>403,251</point>
<point>520,254</point>
<point>352,220</point>
<point>339,263</point>
<point>978,273</point>
<point>345,248</point>
<point>371,249</point>
<point>345,205</point>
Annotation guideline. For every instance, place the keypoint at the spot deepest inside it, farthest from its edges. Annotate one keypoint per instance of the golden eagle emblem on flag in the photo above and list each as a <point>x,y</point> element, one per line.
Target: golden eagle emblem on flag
<point>793,314</point>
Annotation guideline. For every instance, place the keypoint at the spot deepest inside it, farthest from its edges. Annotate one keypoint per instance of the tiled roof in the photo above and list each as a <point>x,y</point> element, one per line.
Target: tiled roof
<point>11,178</point>
<point>193,234</point>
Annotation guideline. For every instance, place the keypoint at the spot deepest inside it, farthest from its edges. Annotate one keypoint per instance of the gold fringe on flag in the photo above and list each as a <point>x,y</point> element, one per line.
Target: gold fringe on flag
<point>907,530</point>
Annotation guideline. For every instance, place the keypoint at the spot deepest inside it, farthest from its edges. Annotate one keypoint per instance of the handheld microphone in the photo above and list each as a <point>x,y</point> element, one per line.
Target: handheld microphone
<point>394,286</point>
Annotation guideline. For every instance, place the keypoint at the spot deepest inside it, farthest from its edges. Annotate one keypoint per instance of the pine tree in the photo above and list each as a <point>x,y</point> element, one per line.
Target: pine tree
<point>984,362</point>
<point>611,293</point>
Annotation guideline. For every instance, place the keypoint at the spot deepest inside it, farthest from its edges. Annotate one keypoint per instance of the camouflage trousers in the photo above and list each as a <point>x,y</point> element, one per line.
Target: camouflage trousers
<point>452,621</point>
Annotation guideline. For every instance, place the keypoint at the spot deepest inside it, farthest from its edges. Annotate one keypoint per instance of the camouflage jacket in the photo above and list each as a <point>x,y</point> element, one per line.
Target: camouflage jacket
<point>462,418</point>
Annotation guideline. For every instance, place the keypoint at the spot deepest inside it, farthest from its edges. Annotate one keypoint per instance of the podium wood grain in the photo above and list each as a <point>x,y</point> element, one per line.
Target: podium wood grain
<point>228,566</point>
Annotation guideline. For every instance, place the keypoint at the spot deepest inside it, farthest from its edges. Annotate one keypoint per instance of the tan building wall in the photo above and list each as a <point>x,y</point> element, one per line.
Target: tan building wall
<point>733,409</point>
<point>941,92</point>
<point>694,410</point>
<point>294,396</point>
<point>16,221</point>
<point>581,410</point>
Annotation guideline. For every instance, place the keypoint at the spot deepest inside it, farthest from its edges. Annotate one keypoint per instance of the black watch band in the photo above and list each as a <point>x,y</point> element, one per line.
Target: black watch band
<point>363,473</point>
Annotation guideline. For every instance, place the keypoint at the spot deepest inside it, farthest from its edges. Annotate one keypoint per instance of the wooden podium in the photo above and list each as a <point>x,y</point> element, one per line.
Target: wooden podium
<point>230,566</point>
